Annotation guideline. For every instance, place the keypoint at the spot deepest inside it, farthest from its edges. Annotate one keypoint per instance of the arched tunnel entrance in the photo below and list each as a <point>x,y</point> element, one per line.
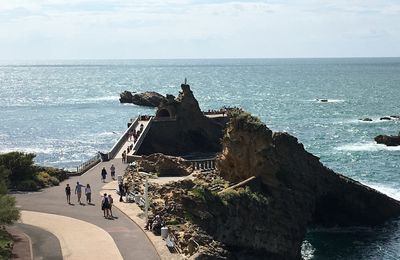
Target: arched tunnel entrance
<point>163,113</point>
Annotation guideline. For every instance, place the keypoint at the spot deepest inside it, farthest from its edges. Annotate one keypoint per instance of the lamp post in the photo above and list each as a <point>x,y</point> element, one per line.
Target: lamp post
<point>146,193</point>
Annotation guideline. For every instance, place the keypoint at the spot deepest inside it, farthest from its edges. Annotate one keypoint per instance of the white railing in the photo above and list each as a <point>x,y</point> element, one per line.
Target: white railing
<point>122,140</point>
<point>83,167</point>
<point>142,136</point>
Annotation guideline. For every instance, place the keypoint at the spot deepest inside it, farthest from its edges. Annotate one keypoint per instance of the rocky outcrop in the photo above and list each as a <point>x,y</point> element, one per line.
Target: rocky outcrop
<point>388,140</point>
<point>181,128</point>
<point>148,98</point>
<point>269,191</point>
<point>164,165</point>
<point>298,191</point>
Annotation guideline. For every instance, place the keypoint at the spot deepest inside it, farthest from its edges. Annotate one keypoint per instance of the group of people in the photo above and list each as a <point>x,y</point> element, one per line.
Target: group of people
<point>134,135</point>
<point>106,205</point>
<point>104,173</point>
<point>154,225</point>
<point>78,192</point>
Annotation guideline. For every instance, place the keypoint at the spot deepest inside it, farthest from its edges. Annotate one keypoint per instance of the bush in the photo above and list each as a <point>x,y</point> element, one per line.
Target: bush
<point>8,212</point>
<point>43,179</point>
<point>20,166</point>
<point>27,185</point>
<point>54,181</point>
<point>6,244</point>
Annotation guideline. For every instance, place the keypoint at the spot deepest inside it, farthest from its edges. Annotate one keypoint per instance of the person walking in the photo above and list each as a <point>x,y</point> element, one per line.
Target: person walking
<point>88,192</point>
<point>110,202</point>
<point>105,206</point>
<point>104,174</point>
<point>121,191</point>
<point>78,191</point>
<point>68,193</point>
<point>112,170</point>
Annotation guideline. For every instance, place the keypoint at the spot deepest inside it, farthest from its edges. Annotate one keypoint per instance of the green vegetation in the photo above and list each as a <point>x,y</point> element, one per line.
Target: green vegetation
<point>245,194</point>
<point>21,173</point>
<point>240,117</point>
<point>6,244</point>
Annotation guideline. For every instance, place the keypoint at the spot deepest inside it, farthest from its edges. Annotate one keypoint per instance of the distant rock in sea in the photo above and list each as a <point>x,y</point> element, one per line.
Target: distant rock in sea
<point>388,140</point>
<point>148,98</point>
<point>367,119</point>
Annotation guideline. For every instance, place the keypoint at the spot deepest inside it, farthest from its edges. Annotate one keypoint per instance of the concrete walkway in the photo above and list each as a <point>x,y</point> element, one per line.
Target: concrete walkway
<point>136,214</point>
<point>129,239</point>
<point>78,239</point>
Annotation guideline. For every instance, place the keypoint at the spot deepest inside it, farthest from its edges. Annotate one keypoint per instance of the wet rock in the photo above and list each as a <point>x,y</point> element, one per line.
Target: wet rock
<point>385,118</point>
<point>388,140</point>
<point>367,119</point>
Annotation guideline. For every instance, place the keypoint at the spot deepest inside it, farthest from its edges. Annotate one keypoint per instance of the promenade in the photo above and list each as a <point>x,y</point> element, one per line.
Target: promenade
<point>83,227</point>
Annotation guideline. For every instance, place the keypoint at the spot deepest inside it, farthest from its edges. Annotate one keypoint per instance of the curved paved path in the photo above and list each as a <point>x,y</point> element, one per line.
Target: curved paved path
<point>130,240</point>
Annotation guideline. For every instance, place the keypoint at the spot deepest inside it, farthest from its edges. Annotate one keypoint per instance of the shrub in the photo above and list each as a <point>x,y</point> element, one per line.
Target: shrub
<point>54,181</point>
<point>20,166</point>
<point>8,212</point>
<point>6,244</point>
<point>43,179</point>
<point>27,185</point>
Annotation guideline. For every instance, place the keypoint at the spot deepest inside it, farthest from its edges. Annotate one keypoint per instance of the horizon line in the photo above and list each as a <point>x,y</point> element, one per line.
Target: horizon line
<point>222,58</point>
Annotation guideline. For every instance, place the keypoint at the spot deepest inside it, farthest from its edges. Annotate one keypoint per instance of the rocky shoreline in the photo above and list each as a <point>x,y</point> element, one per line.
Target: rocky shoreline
<point>266,191</point>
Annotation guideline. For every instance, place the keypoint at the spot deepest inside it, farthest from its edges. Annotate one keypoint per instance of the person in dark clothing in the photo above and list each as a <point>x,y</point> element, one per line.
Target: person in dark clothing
<point>103,174</point>
<point>68,193</point>
<point>121,191</point>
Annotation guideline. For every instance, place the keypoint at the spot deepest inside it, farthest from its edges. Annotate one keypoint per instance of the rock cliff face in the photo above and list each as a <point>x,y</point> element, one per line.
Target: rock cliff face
<point>181,128</point>
<point>164,165</point>
<point>298,191</point>
<point>148,98</point>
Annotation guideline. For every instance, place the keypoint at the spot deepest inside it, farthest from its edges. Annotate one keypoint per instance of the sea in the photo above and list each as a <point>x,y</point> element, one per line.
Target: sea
<point>65,111</point>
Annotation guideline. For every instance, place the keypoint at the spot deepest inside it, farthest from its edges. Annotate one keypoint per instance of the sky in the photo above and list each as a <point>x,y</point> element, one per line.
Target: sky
<point>162,29</point>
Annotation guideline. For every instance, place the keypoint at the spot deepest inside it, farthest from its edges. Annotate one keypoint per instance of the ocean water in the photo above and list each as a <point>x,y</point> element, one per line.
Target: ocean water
<point>66,111</point>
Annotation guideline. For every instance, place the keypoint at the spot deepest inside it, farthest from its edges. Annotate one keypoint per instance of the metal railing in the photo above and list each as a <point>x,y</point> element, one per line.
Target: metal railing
<point>83,167</point>
<point>121,141</point>
<point>142,136</point>
<point>203,164</point>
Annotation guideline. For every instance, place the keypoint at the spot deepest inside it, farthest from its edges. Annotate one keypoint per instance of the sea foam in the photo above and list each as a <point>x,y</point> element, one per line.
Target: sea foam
<point>367,147</point>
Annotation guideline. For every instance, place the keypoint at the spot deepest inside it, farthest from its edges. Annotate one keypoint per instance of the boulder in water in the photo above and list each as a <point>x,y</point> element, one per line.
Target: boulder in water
<point>367,119</point>
<point>388,140</point>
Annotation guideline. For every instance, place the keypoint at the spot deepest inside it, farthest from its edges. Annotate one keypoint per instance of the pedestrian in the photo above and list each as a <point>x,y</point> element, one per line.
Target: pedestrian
<point>112,169</point>
<point>88,192</point>
<point>110,202</point>
<point>104,174</point>
<point>105,205</point>
<point>121,191</point>
<point>126,186</point>
<point>78,191</point>
<point>68,193</point>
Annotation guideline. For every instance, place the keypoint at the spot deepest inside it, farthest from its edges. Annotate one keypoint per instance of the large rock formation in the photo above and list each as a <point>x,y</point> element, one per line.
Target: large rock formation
<point>164,165</point>
<point>148,98</point>
<point>298,190</point>
<point>389,140</point>
<point>181,128</point>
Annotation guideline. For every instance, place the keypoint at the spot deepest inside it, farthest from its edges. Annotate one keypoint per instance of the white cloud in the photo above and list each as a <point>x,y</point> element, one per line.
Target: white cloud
<point>184,28</point>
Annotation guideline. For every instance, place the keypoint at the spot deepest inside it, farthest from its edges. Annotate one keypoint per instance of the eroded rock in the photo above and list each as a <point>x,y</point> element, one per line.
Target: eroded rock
<point>148,98</point>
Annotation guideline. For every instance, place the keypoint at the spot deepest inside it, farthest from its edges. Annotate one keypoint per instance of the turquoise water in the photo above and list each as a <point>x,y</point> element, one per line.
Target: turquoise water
<point>66,111</point>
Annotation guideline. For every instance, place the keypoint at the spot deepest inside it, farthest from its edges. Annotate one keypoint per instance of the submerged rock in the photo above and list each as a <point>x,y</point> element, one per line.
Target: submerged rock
<point>388,140</point>
<point>148,98</point>
<point>367,119</point>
